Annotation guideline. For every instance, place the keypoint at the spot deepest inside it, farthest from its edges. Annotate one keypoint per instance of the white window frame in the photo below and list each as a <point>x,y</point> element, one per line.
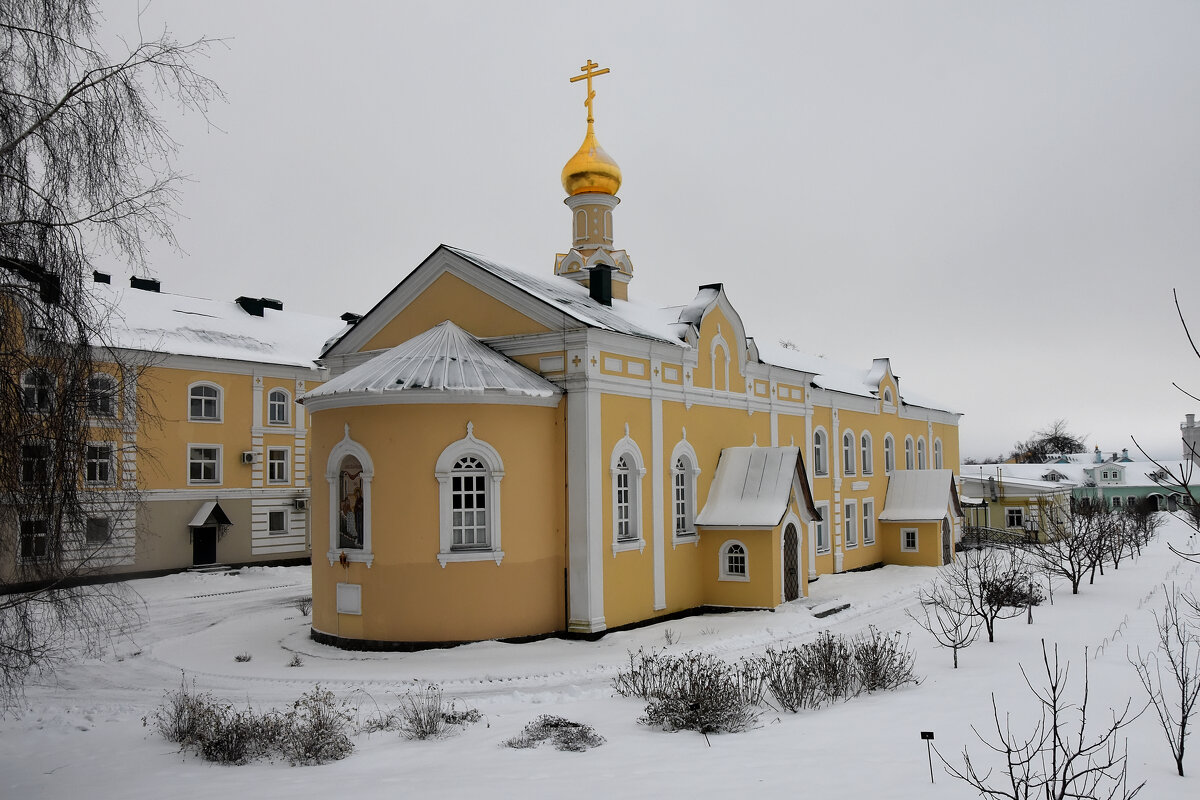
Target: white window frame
<point>723,571</point>
<point>286,461</point>
<point>44,535</point>
<point>850,524</point>
<point>284,516</point>
<point>821,528</point>
<point>87,531</point>
<point>110,464</point>
<point>849,446</point>
<point>887,396</point>
<point>42,392</point>
<point>889,454</point>
<point>493,467</point>
<point>102,403</point>
<point>867,453</point>
<point>1010,512</point>
<point>627,448</point>
<point>684,451</point>
<point>909,456</point>
<point>1116,501</point>
<point>868,522</point>
<point>820,453</point>
<point>333,467</point>
<point>922,462</point>
<point>916,540</point>
<point>220,460</point>
<point>938,460</point>
<point>285,405</point>
<point>219,402</point>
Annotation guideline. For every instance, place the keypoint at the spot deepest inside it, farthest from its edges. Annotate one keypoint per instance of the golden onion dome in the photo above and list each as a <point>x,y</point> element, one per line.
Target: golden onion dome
<point>591,169</point>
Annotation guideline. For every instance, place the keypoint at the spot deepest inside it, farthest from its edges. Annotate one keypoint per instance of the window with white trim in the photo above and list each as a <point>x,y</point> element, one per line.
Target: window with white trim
<point>821,528</point>
<point>625,529</point>
<point>887,396</point>
<point>351,504</point>
<point>921,453</point>
<point>204,402</point>
<point>102,396</point>
<point>1014,517</point>
<point>908,452</point>
<point>868,522</point>
<point>908,540</point>
<point>735,562</point>
<point>279,404</point>
<point>867,456</point>
<point>35,540</point>
<point>469,472</point>
<point>276,523</point>
<point>97,530</point>
<point>35,464</point>
<point>889,454</point>
<point>850,523</point>
<point>626,470</point>
<point>1116,502</point>
<point>37,390</point>
<point>468,503</point>
<point>681,497</point>
<point>820,456</point>
<point>937,454</point>
<point>277,464</point>
<point>204,463</point>
<point>848,462</point>
<point>98,464</point>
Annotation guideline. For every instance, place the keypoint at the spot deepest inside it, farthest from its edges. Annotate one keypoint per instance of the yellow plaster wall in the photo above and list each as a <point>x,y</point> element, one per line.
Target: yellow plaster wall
<point>929,544</point>
<point>407,596</point>
<point>450,297</point>
<point>764,588</point>
<point>703,374</point>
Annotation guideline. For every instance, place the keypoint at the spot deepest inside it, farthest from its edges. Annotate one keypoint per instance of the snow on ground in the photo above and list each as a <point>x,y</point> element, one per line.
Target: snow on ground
<point>81,732</point>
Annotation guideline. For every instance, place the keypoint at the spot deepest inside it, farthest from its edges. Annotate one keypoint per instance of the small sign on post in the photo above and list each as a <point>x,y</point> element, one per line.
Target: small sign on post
<point>928,737</point>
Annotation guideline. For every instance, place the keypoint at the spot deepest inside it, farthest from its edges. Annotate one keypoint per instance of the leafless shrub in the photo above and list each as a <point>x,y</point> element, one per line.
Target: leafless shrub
<point>563,733</point>
<point>948,617</point>
<point>242,657</point>
<point>882,661</point>
<point>303,605</point>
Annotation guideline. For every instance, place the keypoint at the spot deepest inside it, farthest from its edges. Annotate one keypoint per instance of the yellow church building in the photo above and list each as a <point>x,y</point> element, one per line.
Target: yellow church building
<point>500,455</point>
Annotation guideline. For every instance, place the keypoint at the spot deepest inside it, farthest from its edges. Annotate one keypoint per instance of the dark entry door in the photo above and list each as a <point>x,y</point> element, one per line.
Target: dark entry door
<point>204,545</point>
<point>947,543</point>
<point>791,564</point>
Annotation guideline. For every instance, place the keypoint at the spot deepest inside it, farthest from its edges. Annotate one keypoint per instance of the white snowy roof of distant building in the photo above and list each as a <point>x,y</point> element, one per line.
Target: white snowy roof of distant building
<point>751,488</point>
<point>919,495</point>
<point>444,358</point>
<point>175,324</point>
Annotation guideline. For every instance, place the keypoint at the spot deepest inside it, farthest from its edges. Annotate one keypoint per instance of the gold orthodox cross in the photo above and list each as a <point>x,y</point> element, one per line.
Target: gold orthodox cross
<point>589,71</point>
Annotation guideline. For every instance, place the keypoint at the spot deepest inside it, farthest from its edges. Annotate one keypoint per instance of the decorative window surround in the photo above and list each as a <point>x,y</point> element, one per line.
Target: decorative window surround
<point>889,454</point>
<point>734,562</point>
<point>908,540</point>
<point>206,401</point>
<point>937,454</point>
<point>206,459</point>
<point>909,463</point>
<point>867,455</point>
<point>279,407</point>
<point>99,467</point>
<point>493,467</point>
<point>635,469</point>
<point>278,459</point>
<point>349,447</point>
<point>820,453</point>
<point>850,524</point>
<point>686,453</point>
<point>868,526</point>
<point>921,462</point>
<point>820,531</point>
<point>102,396</point>
<point>37,391</point>
<point>849,467</point>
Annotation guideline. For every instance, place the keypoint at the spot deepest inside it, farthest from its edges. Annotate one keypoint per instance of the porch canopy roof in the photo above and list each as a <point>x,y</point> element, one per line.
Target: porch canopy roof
<point>752,488</point>
<point>209,513</point>
<point>920,495</point>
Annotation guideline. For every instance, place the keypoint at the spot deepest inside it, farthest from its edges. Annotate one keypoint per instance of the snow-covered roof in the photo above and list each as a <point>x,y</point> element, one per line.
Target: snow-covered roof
<point>1137,473</point>
<point>444,358</point>
<point>751,488</point>
<point>177,324</point>
<point>919,495</point>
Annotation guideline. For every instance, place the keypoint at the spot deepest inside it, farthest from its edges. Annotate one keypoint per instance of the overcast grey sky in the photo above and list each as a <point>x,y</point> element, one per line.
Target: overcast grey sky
<point>997,196</point>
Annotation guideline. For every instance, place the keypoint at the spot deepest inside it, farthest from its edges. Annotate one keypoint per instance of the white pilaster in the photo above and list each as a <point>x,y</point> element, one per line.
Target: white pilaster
<point>585,519</point>
<point>656,502</point>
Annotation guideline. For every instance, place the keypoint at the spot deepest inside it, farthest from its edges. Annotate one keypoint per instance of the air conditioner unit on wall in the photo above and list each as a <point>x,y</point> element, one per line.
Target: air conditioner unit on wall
<point>249,457</point>
<point>300,504</point>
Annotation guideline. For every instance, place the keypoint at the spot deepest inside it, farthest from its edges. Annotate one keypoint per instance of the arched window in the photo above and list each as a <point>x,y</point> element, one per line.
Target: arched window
<point>887,396</point>
<point>580,225</point>
<point>626,468</point>
<point>37,390</point>
<point>469,472</point>
<point>820,455</point>
<point>683,490</point>
<point>868,458</point>
<point>102,395</point>
<point>349,472</point>
<point>720,362</point>
<point>279,410</point>
<point>908,452</point>
<point>889,454</point>
<point>735,564</point>
<point>848,463</point>
<point>921,453</point>
<point>937,454</point>
<point>204,402</point>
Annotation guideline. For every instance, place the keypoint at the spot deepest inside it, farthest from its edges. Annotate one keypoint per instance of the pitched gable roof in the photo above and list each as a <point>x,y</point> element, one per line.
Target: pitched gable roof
<point>752,487</point>
<point>920,495</point>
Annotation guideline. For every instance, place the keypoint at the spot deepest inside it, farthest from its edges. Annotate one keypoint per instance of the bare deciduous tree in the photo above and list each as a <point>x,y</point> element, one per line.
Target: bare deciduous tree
<point>972,582</point>
<point>948,617</point>
<point>1174,699</point>
<point>84,169</point>
<point>1060,757</point>
<point>1074,540</point>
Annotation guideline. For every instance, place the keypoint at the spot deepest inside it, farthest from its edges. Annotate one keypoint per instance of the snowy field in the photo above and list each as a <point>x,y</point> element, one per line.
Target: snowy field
<point>81,735</point>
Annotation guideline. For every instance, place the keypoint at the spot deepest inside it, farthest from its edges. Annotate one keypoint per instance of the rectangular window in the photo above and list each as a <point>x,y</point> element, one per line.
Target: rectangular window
<point>908,540</point>
<point>1116,502</point>
<point>98,465</point>
<point>276,522</point>
<point>821,532</point>
<point>97,530</point>
<point>204,403</point>
<point>34,540</point>
<point>468,501</point>
<point>624,528</point>
<point>35,464</point>
<point>1014,518</point>
<point>277,465</point>
<point>851,521</point>
<point>204,464</point>
<point>682,520</point>
<point>868,527</point>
